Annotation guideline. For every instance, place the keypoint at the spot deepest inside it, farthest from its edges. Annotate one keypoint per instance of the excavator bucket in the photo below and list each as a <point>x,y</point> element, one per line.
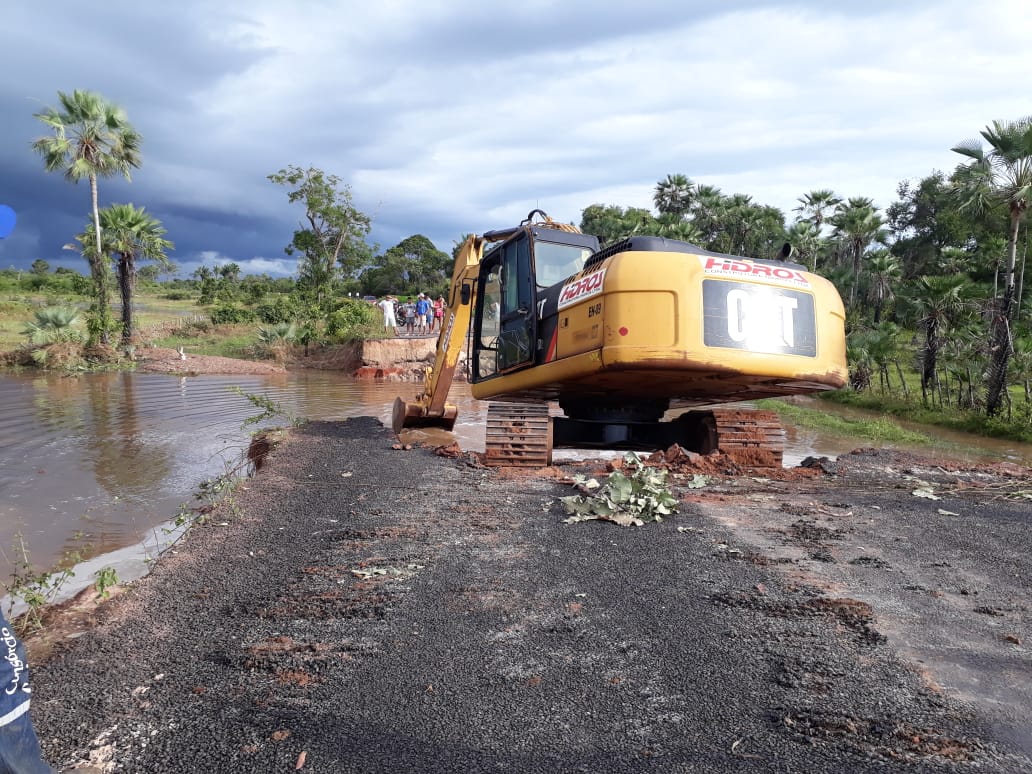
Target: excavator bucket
<point>414,414</point>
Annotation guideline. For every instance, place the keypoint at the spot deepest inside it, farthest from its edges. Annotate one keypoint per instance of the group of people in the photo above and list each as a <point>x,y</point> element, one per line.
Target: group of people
<point>417,317</point>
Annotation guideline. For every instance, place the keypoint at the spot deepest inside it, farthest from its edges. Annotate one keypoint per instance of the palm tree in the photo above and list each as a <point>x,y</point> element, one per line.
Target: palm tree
<point>815,206</point>
<point>673,196</point>
<point>92,138</point>
<point>705,212</point>
<point>938,300</point>
<point>805,238</point>
<point>883,272</point>
<point>857,224</point>
<point>53,324</point>
<point>858,356</point>
<point>1000,177</point>
<point>883,348</point>
<point>672,227</point>
<point>133,235</point>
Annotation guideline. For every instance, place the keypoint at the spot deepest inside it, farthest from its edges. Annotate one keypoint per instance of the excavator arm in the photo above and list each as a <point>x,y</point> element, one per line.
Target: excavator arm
<point>430,408</point>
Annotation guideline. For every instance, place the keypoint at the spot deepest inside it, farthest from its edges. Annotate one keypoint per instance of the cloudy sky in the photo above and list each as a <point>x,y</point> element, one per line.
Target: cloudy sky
<point>451,116</point>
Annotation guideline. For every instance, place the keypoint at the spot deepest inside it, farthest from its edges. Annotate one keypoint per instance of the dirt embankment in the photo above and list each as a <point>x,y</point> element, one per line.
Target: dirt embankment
<point>443,618</point>
<point>391,359</point>
<point>171,361</point>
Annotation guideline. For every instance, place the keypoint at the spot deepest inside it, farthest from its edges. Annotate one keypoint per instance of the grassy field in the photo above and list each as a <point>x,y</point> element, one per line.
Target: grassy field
<point>18,308</point>
<point>223,340</point>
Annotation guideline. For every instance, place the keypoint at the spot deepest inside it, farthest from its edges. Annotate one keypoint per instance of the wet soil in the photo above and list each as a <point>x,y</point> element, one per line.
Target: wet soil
<point>169,361</point>
<point>363,606</point>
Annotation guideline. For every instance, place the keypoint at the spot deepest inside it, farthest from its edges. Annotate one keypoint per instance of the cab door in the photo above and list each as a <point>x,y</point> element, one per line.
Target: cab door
<point>517,318</point>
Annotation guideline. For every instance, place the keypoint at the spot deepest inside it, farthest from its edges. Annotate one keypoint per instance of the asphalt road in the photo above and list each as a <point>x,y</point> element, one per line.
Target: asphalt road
<point>362,609</point>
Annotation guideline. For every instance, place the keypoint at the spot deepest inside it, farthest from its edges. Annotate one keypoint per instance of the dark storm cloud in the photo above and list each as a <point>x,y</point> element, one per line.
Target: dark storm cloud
<point>460,116</point>
<point>150,61</point>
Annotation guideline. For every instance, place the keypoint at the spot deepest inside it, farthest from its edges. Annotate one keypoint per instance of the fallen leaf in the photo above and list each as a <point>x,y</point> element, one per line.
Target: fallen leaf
<point>928,494</point>
<point>300,760</point>
<point>279,736</point>
<point>944,512</point>
<point>697,482</point>
<point>1012,639</point>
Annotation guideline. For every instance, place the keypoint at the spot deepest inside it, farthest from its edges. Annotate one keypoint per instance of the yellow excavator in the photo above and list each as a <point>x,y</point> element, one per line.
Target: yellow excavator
<point>622,336</point>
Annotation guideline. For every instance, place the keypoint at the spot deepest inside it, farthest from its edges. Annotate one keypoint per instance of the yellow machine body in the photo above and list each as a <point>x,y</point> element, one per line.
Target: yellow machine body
<point>692,328</point>
<point>618,336</point>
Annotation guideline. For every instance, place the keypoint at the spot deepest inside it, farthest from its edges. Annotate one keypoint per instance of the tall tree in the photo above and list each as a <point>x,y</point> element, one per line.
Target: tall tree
<point>132,235</point>
<point>883,274</point>
<point>805,238</point>
<point>331,237</point>
<point>858,225</point>
<point>938,300</point>
<point>673,195</point>
<point>92,138</point>
<point>815,206</point>
<point>674,227</point>
<point>414,265</point>
<point>925,221</point>
<point>611,223</point>
<point>706,213</point>
<point>999,178</point>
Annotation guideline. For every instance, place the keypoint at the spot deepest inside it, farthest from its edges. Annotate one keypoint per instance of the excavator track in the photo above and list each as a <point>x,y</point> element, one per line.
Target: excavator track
<point>755,439</point>
<point>518,435</point>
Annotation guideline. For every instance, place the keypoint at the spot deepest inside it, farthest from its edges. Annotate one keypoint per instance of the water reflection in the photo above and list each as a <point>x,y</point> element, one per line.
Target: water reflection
<point>114,455</point>
<point>128,461</point>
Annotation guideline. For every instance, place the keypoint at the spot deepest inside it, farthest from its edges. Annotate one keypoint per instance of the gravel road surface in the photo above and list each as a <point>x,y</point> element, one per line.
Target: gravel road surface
<point>363,609</point>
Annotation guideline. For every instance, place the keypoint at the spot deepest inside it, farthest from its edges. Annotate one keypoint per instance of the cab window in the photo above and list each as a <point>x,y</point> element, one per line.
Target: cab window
<point>487,339</point>
<point>554,262</point>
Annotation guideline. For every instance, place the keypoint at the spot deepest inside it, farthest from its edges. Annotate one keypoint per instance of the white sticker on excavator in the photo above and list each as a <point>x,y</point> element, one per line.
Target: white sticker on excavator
<point>747,270</point>
<point>587,286</point>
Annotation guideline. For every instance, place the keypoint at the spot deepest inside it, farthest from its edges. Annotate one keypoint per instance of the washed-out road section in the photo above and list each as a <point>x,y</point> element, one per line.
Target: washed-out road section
<point>357,608</point>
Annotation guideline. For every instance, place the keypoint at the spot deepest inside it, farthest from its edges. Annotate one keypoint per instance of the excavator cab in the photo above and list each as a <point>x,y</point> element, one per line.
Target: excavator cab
<point>512,275</point>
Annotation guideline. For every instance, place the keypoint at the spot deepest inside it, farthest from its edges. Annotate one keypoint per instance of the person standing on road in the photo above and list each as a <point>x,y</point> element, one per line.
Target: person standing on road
<point>19,745</point>
<point>390,322</point>
<point>438,313</point>
<point>422,309</point>
<point>409,310</point>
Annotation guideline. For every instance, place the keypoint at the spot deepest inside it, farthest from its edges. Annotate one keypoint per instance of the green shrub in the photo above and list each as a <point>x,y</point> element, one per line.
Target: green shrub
<point>285,333</point>
<point>227,314</point>
<point>177,295</point>
<point>54,324</point>
<point>282,309</point>
<point>354,320</point>
<point>81,285</point>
